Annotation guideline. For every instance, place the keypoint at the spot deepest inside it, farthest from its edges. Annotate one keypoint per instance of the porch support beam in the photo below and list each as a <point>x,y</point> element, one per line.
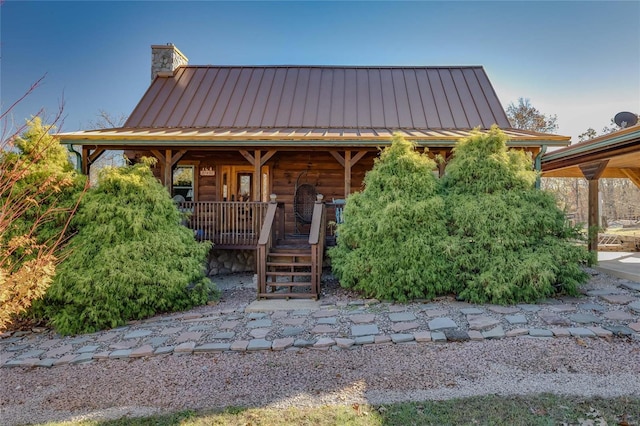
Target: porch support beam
<point>267,156</point>
<point>89,158</point>
<point>442,165</point>
<point>158,156</point>
<point>633,175</point>
<point>168,181</point>
<point>347,173</point>
<point>257,176</point>
<point>85,160</point>
<point>347,162</point>
<point>592,172</point>
<point>257,160</point>
<point>95,155</point>
<point>248,156</point>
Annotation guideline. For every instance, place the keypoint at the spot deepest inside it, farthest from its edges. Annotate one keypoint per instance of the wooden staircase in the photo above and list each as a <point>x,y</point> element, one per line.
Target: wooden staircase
<point>288,270</point>
<point>290,267</point>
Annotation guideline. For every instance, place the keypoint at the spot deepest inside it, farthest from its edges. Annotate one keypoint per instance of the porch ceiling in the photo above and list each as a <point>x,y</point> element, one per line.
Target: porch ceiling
<point>621,150</point>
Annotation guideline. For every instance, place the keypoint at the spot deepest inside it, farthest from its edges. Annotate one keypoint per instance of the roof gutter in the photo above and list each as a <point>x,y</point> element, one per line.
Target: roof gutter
<point>78,156</point>
<point>605,142</point>
<point>538,165</point>
<point>290,142</point>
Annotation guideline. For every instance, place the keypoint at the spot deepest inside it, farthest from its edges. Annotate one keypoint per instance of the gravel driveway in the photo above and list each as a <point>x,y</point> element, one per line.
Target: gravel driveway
<point>310,377</point>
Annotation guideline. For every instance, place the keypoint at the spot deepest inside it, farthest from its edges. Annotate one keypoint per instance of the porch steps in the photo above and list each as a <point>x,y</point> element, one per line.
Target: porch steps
<point>288,270</point>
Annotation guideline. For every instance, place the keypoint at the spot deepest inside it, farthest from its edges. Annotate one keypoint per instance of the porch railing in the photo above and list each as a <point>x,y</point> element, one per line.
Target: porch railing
<point>317,241</point>
<point>228,224</point>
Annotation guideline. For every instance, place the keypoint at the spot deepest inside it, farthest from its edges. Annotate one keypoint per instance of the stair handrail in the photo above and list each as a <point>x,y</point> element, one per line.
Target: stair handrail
<point>316,240</point>
<point>265,243</point>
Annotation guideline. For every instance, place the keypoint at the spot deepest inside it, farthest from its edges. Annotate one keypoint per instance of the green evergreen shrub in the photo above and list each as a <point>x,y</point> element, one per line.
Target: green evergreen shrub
<point>130,258</point>
<point>483,232</point>
<point>390,244</point>
<point>512,243</point>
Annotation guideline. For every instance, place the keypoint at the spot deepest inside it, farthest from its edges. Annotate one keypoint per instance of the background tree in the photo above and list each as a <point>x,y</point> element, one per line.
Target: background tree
<point>39,193</point>
<point>526,117</point>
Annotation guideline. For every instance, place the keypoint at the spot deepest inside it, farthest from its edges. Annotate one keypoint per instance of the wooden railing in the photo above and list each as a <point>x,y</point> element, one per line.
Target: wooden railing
<point>272,229</point>
<point>229,224</point>
<point>317,235</point>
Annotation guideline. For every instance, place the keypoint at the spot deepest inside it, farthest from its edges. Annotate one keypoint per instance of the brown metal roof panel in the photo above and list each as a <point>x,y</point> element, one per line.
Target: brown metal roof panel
<point>300,96</point>
<point>375,98</point>
<point>199,97</point>
<point>440,98</point>
<point>143,106</point>
<point>208,96</point>
<point>413,97</point>
<point>350,98</point>
<point>273,101</point>
<point>237,98</point>
<point>402,98</point>
<point>286,100</point>
<point>492,99</point>
<point>336,118</point>
<point>469,103</point>
<point>362,98</point>
<point>479,98</point>
<point>249,98</point>
<point>192,78</point>
<point>225,95</point>
<point>453,98</point>
<point>262,96</point>
<point>142,110</point>
<point>428,101</point>
<point>167,99</point>
<point>180,82</point>
<point>390,108</point>
<point>309,119</point>
<point>323,118</point>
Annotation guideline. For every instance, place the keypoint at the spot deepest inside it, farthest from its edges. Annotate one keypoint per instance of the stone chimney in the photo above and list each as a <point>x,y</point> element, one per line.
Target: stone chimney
<point>165,59</point>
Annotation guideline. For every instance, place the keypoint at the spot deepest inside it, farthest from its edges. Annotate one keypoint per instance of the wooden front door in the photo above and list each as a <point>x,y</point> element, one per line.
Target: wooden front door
<point>238,183</point>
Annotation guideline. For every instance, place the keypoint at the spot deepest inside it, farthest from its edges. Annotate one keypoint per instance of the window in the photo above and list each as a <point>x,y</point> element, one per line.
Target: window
<point>183,183</point>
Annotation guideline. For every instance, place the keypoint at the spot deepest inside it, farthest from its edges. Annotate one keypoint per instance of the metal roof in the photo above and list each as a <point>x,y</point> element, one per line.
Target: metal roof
<point>320,97</point>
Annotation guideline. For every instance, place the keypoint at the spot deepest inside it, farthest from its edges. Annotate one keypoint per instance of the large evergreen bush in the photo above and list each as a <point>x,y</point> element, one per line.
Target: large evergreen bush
<point>483,232</point>
<point>511,243</point>
<point>390,245</point>
<point>130,259</point>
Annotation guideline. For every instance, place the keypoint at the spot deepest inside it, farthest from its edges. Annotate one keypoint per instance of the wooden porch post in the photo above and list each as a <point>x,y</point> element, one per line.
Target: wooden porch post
<point>89,158</point>
<point>257,176</point>
<point>592,172</point>
<point>85,160</point>
<point>347,173</point>
<point>168,161</point>
<point>257,160</point>
<point>168,168</point>
<point>347,162</point>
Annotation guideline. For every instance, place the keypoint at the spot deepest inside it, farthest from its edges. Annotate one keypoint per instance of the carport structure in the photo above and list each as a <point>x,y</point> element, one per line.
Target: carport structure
<point>616,155</point>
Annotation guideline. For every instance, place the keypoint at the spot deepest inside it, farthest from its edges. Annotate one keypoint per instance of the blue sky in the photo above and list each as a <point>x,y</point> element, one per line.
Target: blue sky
<point>578,60</point>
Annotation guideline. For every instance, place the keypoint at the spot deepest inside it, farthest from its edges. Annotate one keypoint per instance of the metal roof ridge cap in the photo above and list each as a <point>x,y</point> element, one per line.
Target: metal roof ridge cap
<point>336,66</point>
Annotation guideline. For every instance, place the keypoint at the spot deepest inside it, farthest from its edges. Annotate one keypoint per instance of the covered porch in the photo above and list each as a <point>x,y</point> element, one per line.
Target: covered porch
<point>616,155</point>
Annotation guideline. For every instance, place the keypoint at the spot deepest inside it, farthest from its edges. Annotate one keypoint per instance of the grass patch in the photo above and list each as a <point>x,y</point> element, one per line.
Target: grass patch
<point>545,409</point>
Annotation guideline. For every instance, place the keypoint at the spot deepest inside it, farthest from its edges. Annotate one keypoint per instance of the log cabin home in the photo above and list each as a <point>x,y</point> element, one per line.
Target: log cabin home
<point>262,158</point>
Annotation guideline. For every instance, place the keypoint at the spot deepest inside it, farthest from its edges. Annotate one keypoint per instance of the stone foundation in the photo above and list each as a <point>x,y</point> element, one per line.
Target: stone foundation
<point>222,262</point>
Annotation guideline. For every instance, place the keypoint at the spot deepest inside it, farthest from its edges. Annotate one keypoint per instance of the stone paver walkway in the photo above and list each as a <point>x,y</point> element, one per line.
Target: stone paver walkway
<point>605,312</point>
